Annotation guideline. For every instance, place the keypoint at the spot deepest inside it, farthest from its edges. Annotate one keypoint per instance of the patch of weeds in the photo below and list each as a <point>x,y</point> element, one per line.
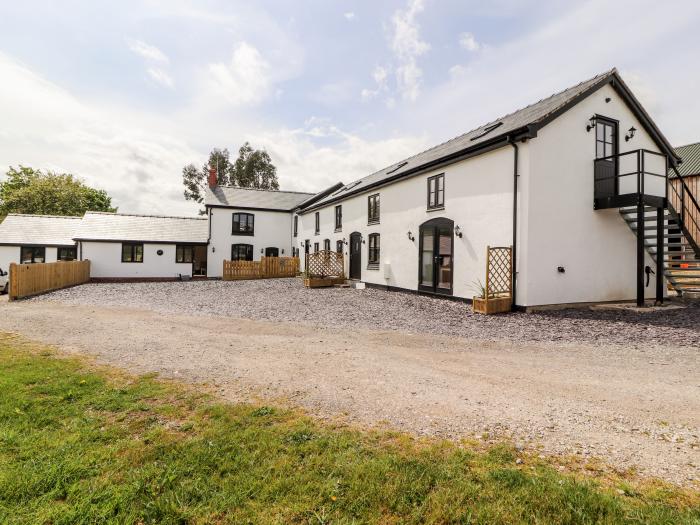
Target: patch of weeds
<point>263,411</point>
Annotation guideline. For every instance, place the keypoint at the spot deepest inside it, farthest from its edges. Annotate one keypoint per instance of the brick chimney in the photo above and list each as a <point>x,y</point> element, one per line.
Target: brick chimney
<point>212,177</point>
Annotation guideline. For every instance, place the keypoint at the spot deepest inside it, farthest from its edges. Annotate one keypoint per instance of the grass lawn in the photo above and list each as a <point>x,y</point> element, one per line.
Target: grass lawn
<point>82,444</point>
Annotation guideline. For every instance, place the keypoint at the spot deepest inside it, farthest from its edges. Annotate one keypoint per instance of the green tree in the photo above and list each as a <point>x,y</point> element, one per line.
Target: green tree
<point>26,190</point>
<point>252,169</point>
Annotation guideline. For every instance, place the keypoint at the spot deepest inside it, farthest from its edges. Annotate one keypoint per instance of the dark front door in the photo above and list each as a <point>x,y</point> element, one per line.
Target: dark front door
<point>355,255</point>
<point>436,256</point>
<point>272,252</point>
<point>606,182</point>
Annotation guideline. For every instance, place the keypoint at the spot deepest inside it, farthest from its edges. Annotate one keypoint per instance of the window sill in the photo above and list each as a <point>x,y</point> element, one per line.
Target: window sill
<point>438,208</point>
<point>373,266</point>
<point>372,223</point>
<point>338,230</point>
<point>243,234</point>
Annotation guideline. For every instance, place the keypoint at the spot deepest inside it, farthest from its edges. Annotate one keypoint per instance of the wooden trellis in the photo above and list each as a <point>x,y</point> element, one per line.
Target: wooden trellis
<point>499,272</point>
<point>498,291</point>
<point>325,263</point>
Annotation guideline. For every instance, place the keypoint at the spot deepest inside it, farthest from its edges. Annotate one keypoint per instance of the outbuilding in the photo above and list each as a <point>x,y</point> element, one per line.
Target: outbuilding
<point>124,246</point>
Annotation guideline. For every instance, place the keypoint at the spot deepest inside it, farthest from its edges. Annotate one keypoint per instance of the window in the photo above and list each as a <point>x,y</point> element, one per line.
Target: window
<point>327,245</point>
<point>32,254</point>
<point>338,218</point>
<point>307,246</point>
<point>605,139</point>
<point>373,256</point>
<point>132,252</point>
<point>67,253</point>
<point>243,224</point>
<point>317,219</point>
<point>436,192</point>
<point>373,209</point>
<point>242,252</point>
<point>315,247</point>
<point>296,225</point>
<point>184,253</point>
<point>339,246</point>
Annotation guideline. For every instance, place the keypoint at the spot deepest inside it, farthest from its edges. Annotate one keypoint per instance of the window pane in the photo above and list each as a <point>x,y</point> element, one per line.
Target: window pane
<point>139,252</point>
<point>126,252</point>
<point>608,134</point>
<point>427,258</point>
<point>599,150</point>
<point>600,131</point>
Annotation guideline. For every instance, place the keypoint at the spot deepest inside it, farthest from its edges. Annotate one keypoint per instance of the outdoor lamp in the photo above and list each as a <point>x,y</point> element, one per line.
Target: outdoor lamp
<point>458,231</point>
<point>410,236</point>
<point>630,134</point>
<point>591,123</point>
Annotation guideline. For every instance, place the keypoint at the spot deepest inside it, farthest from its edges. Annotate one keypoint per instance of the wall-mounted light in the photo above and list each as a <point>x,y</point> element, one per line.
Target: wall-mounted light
<point>410,236</point>
<point>262,250</point>
<point>630,134</point>
<point>213,249</point>
<point>561,269</point>
<point>345,241</point>
<point>591,123</point>
<point>458,231</point>
<point>282,251</point>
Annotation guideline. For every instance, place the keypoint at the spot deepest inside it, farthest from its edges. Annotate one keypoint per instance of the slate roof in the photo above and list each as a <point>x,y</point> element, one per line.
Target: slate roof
<point>102,226</point>
<point>43,230</point>
<point>523,122</point>
<point>254,198</point>
<point>690,154</point>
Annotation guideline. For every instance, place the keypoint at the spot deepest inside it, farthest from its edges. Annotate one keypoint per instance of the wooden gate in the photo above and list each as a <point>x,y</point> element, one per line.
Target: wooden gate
<point>265,268</point>
<point>32,279</point>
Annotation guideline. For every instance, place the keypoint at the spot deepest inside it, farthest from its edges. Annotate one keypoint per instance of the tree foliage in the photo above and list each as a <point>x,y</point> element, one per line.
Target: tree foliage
<point>26,190</point>
<point>252,169</point>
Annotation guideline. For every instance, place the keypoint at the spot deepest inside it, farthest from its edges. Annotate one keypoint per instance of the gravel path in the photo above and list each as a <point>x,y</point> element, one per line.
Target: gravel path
<point>614,385</point>
<point>288,300</point>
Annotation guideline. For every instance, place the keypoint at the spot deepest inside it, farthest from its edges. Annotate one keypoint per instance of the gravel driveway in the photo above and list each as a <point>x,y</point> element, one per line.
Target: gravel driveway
<point>288,300</point>
<point>615,385</point>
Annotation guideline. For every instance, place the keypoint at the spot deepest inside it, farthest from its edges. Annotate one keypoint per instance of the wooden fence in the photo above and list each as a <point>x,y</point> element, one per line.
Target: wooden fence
<point>32,279</point>
<point>265,268</point>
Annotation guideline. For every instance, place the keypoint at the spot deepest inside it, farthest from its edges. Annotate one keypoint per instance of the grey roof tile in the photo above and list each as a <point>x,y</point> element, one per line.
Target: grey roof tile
<point>254,198</point>
<point>46,230</point>
<point>101,226</point>
<point>535,114</point>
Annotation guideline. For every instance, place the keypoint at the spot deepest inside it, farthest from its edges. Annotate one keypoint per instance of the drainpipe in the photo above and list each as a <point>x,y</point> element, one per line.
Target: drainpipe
<point>514,254</point>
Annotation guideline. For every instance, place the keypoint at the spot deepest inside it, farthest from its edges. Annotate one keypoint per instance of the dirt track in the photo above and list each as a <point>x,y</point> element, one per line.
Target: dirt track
<point>632,407</point>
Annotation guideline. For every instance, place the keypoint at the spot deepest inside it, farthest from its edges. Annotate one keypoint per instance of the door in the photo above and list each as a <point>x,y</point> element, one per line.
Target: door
<point>272,252</point>
<point>436,256</point>
<point>355,255</point>
<point>606,184</point>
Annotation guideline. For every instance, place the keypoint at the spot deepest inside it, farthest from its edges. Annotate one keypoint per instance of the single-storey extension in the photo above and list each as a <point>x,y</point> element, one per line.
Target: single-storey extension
<point>129,246</point>
<point>37,238</point>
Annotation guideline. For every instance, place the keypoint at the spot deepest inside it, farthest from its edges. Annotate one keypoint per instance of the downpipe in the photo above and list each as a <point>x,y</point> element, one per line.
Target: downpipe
<point>514,252</point>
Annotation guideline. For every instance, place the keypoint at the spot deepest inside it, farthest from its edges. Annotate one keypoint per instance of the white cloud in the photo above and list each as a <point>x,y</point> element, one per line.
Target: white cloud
<point>245,79</point>
<point>147,51</point>
<point>380,76</point>
<point>468,41</point>
<point>407,45</point>
<point>349,15</point>
<point>161,77</point>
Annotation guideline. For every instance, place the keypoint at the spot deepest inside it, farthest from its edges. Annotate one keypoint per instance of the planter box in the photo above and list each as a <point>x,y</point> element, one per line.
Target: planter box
<point>322,282</point>
<point>496,305</point>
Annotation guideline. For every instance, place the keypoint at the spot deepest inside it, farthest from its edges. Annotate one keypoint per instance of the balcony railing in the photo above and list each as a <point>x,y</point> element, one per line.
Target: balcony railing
<point>630,178</point>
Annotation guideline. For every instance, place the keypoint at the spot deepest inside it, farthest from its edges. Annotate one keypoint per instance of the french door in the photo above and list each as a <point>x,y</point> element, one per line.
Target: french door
<point>606,147</point>
<point>436,244</point>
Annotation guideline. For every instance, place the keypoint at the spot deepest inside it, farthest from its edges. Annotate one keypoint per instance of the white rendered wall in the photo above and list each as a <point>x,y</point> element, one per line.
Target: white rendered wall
<point>105,262</point>
<point>478,198</point>
<point>272,230</point>
<point>560,226</point>
<point>11,254</point>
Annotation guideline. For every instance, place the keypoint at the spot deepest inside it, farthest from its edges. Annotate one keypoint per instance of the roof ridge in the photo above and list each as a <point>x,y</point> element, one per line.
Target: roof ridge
<point>44,216</point>
<point>502,117</point>
<point>146,215</point>
<point>262,189</point>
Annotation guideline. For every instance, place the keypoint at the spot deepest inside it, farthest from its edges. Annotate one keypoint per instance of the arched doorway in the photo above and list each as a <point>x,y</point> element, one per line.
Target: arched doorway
<point>355,255</point>
<point>436,256</point>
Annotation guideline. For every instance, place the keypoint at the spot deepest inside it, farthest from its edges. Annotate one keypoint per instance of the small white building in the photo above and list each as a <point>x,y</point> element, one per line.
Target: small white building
<point>245,224</point>
<point>36,239</point>
<point>151,247</point>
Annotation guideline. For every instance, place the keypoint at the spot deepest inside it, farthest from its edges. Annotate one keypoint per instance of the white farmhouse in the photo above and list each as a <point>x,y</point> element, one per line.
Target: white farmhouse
<point>37,238</point>
<point>245,224</point>
<point>145,247</point>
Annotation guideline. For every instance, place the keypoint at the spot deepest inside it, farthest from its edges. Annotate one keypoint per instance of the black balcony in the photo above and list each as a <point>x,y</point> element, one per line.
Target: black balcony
<point>629,179</point>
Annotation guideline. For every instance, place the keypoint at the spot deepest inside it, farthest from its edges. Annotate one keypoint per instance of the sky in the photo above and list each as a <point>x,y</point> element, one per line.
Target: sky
<point>125,93</point>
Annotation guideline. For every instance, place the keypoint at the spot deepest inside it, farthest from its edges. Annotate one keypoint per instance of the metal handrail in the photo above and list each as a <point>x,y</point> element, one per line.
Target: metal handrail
<point>683,216</point>
<point>640,172</point>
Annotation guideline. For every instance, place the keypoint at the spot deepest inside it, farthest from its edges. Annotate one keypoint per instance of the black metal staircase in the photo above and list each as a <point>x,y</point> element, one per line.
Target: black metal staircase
<point>665,217</point>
